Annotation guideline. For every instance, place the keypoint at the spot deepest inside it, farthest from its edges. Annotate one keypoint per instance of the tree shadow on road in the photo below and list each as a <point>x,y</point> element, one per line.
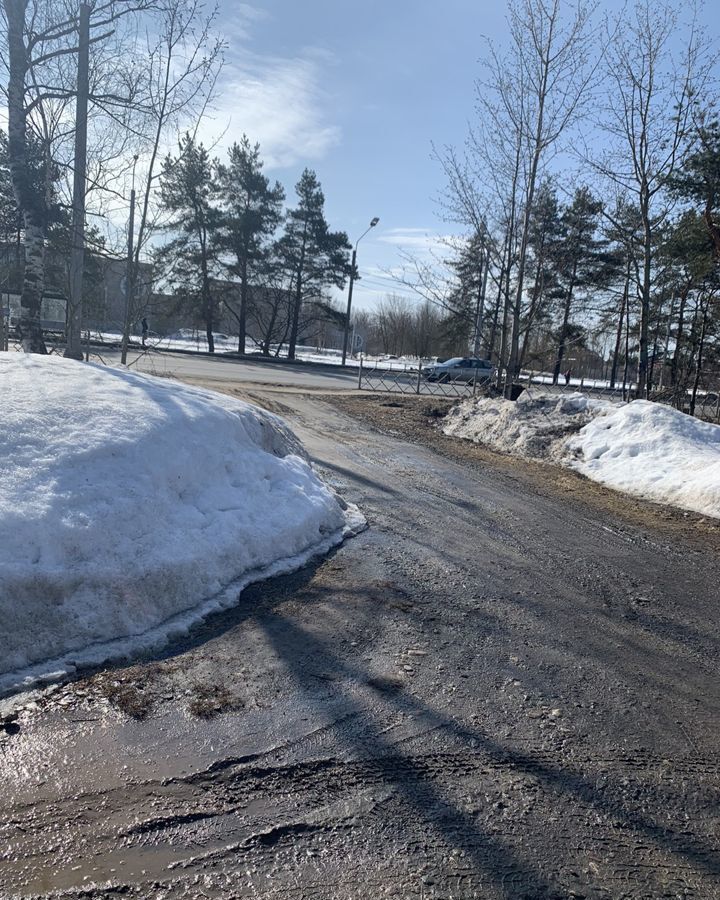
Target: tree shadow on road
<point>513,875</point>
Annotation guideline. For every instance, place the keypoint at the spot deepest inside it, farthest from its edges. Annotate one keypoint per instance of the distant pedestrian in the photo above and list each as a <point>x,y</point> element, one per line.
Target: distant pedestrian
<point>144,330</point>
<point>567,376</point>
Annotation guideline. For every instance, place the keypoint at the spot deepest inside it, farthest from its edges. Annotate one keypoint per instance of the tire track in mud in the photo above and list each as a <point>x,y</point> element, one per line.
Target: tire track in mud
<point>305,802</point>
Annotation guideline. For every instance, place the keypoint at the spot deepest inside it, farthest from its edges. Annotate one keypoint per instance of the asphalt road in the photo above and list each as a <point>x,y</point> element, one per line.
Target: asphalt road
<point>314,377</point>
<point>235,371</point>
<point>500,690</point>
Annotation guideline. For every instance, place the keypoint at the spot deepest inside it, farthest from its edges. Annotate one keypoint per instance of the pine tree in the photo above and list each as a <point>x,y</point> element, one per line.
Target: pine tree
<point>623,232</point>
<point>688,256</point>
<point>187,192</point>
<point>582,263</point>
<point>10,215</point>
<point>251,212</point>
<point>11,225</point>
<point>699,179</point>
<point>544,236</point>
<point>42,176</point>
<point>314,258</point>
<point>466,304</point>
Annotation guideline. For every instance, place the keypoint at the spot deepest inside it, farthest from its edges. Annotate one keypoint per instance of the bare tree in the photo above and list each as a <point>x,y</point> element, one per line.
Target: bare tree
<point>550,63</point>
<point>394,318</point>
<point>647,117</point>
<point>527,97</point>
<point>38,35</point>
<point>184,58</point>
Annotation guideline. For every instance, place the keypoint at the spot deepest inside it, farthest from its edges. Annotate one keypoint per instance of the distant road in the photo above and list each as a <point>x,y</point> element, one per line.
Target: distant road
<point>226,369</point>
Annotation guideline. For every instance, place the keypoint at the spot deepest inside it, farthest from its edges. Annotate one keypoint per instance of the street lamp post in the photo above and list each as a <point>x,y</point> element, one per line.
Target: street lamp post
<point>129,273</point>
<point>373,223</point>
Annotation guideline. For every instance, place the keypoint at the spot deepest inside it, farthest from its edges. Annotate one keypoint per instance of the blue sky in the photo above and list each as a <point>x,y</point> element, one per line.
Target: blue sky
<point>358,92</point>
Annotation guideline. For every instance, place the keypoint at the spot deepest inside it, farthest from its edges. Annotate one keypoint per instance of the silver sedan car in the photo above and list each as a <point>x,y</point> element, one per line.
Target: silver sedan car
<point>461,368</point>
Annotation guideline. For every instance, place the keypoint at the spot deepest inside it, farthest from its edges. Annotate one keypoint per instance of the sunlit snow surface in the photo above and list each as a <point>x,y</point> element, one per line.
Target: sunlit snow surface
<point>646,449</point>
<point>131,506</point>
<point>652,451</point>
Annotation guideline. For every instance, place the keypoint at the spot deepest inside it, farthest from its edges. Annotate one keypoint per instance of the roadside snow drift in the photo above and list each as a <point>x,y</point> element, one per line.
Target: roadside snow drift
<point>131,506</point>
<point>642,448</point>
<point>531,427</point>
<point>652,451</point>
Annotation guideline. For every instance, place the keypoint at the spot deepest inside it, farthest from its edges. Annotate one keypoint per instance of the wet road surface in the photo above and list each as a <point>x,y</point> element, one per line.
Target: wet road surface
<point>494,692</point>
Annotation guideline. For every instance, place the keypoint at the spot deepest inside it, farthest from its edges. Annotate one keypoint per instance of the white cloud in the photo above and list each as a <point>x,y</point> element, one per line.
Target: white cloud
<point>244,16</point>
<point>416,240</point>
<point>279,102</point>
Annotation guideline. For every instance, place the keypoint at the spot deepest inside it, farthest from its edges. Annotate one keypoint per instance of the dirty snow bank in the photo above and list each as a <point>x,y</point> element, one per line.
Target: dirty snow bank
<point>643,448</point>
<point>652,451</point>
<point>533,428</point>
<point>131,506</point>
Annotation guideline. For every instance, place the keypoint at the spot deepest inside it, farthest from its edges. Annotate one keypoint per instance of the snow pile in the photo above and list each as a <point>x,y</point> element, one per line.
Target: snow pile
<point>652,451</point>
<point>534,428</point>
<point>131,506</point>
<point>643,448</point>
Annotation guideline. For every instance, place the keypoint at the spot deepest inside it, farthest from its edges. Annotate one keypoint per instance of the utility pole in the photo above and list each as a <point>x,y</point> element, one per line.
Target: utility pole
<point>129,274</point>
<point>372,224</point>
<point>349,305</point>
<point>73,349</point>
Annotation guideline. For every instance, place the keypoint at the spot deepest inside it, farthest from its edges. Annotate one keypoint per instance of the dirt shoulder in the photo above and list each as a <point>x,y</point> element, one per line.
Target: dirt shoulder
<point>418,419</point>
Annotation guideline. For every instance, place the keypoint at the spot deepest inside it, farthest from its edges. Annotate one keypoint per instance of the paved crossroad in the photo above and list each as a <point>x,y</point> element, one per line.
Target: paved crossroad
<point>227,369</point>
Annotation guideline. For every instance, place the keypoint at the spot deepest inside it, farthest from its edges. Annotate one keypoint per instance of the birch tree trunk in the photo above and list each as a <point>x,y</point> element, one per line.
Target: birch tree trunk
<point>30,204</point>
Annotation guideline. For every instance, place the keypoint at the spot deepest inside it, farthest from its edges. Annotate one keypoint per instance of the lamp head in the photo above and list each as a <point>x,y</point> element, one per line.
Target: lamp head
<point>373,222</point>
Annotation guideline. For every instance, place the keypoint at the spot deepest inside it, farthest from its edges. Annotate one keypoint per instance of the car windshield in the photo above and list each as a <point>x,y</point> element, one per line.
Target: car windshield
<point>452,362</point>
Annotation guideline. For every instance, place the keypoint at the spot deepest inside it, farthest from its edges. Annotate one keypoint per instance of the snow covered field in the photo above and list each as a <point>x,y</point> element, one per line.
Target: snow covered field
<point>131,507</point>
<point>190,341</point>
<point>643,448</point>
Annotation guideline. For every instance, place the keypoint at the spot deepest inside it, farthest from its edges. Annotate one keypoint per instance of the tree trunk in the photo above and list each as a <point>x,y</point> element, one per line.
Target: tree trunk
<point>563,339</point>
<point>513,369</point>
<point>645,295</point>
<point>618,334</point>
<point>480,305</point>
<point>503,337</point>
<point>656,336</point>
<point>565,322</point>
<point>667,341</point>
<point>534,303</point>
<point>267,341</point>
<point>492,335</point>
<point>297,303</point>
<point>679,336</point>
<point>31,205</point>
<point>492,338</point>
<point>209,322</point>
<point>243,303</point>
<point>626,393</point>
<point>207,303</point>
<point>73,350</point>
<point>698,367</point>
<point>502,355</point>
